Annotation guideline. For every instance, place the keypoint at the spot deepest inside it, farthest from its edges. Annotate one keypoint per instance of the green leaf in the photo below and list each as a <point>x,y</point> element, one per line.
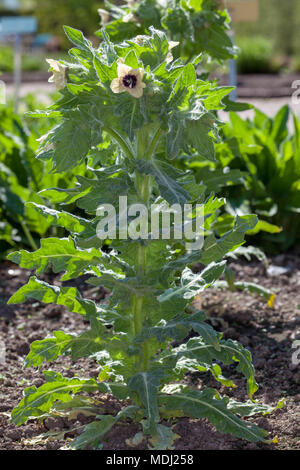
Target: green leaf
<point>215,180</point>
<point>179,327</point>
<point>172,191</point>
<point>38,401</point>
<point>10,201</point>
<point>164,439</point>
<point>264,226</point>
<point>77,38</point>
<point>248,252</point>
<point>192,284</point>
<point>69,221</point>
<point>94,432</point>
<point>280,130</point>
<point>68,144</point>
<point>60,255</point>
<point>207,404</point>
<point>68,297</point>
<point>216,97</point>
<point>228,352</point>
<point>197,5</point>
<point>48,349</point>
<point>177,21</point>
<point>197,132</point>
<point>83,345</point>
<point>78,405</point>
<point>105,73</point>
<point>146,385</point>
<point>247,286</point>
<point>215,249</point>
<point>250,408</point>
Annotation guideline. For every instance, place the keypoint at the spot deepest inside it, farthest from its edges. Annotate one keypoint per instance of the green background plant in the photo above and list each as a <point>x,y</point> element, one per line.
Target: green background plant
<point>199,26</point>
<point>22,176</point>
<point>268,155</point>
<point>255,55</point>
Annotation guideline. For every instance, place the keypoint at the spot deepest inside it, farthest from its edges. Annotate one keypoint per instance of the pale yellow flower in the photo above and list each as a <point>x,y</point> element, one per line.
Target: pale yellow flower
<point>169,57</point>
<point>128,18</point>
<point>104,15</point>
<point>173,44</point>
<point>131,3</point>
<point>59,76</point>
<point>139,39</point>
<point>130,80</point>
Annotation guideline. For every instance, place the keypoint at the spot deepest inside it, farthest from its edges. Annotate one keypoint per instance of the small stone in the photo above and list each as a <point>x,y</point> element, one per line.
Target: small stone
<point>94,373</point>
<point>14,434</point>
<point>23,348</point>
<point>5,407</point>
<point>12,356</point>
<point>53,312</point>
<point>14,272</point>
<point>296,378</point>
<point>252,446</point>
<point>53,445</point>
<point>35,325</point>
<point>9,383</point>
<point>69,373</point>
<point>244,340</point>
<point>38,382</point>
<point>231,333</point>
<point>277,270</point>
<point>52,423</point>
<point>260,364</point>
<point>35,337</point>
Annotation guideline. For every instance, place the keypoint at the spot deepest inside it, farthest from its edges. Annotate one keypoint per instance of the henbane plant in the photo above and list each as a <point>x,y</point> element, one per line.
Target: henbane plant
<point>128,111</point>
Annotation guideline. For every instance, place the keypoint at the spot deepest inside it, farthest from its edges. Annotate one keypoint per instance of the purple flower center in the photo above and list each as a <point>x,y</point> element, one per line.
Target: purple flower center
<point>130,81</point>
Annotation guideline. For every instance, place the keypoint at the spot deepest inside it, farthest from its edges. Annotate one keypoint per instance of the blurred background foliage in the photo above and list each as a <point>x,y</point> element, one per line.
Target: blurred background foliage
<point>52,14</point>
<point>279,21</point>
<point>268,46</point>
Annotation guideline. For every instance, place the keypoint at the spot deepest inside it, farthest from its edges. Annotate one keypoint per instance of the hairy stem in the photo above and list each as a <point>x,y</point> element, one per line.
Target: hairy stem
<point>121,141</point>
<point>152,147</point>
<point>143,187</point>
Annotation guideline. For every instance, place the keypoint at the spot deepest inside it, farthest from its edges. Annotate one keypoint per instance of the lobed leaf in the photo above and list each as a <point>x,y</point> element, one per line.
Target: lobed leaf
<point>59,254</point>
<point>208,404</point>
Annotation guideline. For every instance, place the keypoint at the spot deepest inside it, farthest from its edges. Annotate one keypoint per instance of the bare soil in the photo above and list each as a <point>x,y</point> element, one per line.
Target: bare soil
<point>267,332</point>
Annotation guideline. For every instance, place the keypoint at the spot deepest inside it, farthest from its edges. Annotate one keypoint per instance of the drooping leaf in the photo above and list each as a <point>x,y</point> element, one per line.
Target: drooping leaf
<point>37,401</point>
<point>94,432</point>
<point>208,404</point>
<point>68,297</point>
<point>146,385</point>
<point>59,254</point>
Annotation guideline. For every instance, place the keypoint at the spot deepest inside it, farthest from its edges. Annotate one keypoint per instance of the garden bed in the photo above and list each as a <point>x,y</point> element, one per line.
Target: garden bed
<point>267,332</point>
